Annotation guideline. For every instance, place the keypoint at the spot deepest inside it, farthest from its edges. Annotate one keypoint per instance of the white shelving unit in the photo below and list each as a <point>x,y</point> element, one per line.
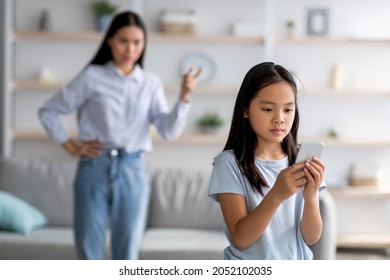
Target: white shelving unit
<point>20,36</point>
<point>153,37</point>
<point>364,238</point>
<point>22,88</point>
<point>362,210</point>
<point>331,41</point>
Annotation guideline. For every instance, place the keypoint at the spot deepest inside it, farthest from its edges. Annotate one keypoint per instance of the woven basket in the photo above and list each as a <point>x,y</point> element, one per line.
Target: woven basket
<point>367,182</point>
<point>177,28</point>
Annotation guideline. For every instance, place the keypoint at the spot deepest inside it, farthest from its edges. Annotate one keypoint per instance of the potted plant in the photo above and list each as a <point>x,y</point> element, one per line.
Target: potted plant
<point>290,24</point>
<point>210,122</point>
<point>103,10</point>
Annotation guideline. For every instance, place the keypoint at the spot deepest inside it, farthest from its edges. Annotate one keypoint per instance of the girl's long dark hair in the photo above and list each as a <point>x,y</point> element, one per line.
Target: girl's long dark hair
<point>127,18</point>
<point>242,139</point>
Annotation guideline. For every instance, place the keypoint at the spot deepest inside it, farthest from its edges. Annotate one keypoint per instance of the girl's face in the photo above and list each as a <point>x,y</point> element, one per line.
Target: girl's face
<point>271,113</point>
<point>127,45</point>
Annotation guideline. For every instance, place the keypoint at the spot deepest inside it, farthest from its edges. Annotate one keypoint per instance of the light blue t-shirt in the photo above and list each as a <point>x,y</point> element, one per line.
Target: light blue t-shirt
<point>282,239</point>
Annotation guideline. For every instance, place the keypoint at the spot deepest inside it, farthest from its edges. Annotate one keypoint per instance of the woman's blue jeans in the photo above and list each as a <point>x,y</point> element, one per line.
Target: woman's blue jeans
<point>111,190</point>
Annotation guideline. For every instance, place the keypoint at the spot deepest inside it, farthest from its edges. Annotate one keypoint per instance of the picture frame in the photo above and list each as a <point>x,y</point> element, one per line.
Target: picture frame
<point>317,22</point>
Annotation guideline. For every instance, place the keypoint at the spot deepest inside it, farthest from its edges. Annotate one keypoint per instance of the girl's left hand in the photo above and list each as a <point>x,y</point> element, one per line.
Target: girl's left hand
<point>188,84</point>
<point>314,171</point>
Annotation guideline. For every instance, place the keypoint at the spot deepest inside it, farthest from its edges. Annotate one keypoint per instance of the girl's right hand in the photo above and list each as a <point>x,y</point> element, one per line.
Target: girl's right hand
<point>290,181</point>
<point>89,148</point>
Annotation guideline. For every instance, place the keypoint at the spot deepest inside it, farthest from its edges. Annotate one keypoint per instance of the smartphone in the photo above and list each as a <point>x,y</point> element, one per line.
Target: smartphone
<point>308,150</point>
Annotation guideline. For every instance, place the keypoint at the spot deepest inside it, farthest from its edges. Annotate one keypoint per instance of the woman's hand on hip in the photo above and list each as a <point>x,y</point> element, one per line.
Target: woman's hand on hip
<point>188,84</point>
<point>88,148</point>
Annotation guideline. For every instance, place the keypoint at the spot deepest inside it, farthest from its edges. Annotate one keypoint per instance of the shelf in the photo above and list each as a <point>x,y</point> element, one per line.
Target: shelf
<point>58,36</point>
<point>153,37</point>
<point>347,92</point>
<point>36,85</point>
<point>364,241</point>
<point>359,192</point>
<point>183,139</point>
<point>350,143</point>
<point>332,40</point>
<point>161,37</point>
<point>200,38</point>
<point>38,134</point>
<point>200,138</point>
<point>219,139</point>
<point>204,89</point>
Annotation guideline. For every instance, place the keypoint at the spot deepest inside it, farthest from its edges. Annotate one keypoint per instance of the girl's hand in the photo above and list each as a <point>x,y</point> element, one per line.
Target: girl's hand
<point>314,172</point>
<point>290,181</point>
<point>89,148</point>
<point>188,84</point>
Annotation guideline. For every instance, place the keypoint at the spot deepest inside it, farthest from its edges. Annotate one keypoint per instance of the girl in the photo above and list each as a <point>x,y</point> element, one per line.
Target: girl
<point>268,213</point>
<point>116,101</point>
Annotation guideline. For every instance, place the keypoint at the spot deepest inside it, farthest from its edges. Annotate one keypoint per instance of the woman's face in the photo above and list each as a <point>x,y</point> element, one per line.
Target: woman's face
<point>271,113</point>
<point>127,45</point>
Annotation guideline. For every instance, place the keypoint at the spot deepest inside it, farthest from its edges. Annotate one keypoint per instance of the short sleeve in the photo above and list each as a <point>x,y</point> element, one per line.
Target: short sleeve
<point>226,177</point>
<point>323,186</point>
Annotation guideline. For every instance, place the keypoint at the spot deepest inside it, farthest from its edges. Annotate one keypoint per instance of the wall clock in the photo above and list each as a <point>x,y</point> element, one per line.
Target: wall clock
<point>198,60</point>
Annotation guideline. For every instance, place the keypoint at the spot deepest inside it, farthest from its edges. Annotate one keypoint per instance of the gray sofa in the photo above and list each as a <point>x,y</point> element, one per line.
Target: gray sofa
<point>183,222</point>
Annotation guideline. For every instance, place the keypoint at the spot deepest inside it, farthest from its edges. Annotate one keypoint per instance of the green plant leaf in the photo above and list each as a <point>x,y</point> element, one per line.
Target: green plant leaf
<point>210,120</point>
<point>104,8</point>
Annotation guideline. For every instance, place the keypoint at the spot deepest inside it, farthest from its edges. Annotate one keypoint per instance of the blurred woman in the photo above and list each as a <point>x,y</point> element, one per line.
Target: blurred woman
<point>116,101</point>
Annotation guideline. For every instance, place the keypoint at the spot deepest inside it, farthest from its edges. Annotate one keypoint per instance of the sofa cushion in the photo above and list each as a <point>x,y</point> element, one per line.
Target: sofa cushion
<point>45,184</point>
<point>50,243</point>
<point>183,244</point>
<point>18,215</point>
<point>180,200</point>
<point>41,244</point>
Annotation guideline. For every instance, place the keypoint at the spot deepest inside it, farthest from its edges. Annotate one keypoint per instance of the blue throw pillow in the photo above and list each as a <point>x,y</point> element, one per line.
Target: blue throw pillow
<point>18,215</point>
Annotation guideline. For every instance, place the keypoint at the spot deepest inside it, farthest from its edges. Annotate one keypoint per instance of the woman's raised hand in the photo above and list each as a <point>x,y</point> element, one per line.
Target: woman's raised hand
<point>188,84</point>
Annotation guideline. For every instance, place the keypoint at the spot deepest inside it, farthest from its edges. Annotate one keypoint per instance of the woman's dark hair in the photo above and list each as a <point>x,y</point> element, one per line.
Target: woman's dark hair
<point>120,20</point>
<point>242,139</point>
